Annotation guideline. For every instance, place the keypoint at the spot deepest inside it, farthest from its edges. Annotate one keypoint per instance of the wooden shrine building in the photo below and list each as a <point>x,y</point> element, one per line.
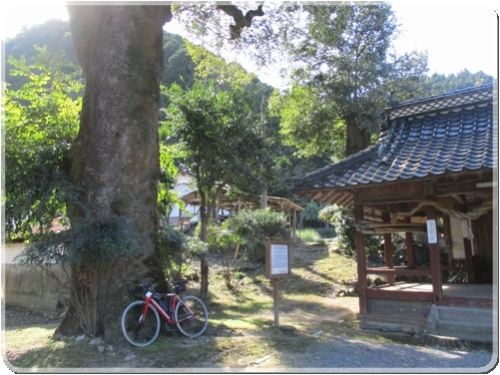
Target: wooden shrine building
<point>432,172</point>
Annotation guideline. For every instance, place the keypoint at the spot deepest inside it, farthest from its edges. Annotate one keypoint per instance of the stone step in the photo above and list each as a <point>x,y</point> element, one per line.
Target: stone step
<point>400,308</point>
<point>392,323</point>
<point>456,343</point>
<point>462,314</point>
<point>470,330</point>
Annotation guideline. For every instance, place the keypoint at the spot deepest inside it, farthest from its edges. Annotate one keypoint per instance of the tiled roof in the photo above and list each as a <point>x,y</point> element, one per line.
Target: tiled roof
<point>449,133</point>
<point>459,98</point>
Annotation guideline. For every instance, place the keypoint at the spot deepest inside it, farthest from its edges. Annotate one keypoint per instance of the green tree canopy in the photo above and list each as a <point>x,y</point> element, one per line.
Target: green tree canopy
<point>178,64</point>
<point>344,69</point>
<point>41,121</point>
<point>217,141</point>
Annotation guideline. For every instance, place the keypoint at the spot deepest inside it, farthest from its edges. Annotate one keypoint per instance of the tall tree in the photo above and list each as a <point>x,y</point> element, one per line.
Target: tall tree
<point>115,156</point>
<point>217,142</point>
<point>343,64</point>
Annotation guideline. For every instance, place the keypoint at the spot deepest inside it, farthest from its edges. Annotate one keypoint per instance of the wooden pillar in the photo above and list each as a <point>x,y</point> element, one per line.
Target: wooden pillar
<point>447,239</point>
<point>360,255</point>
<point>388,248</point>
<point>410,253</point>
<point>467,250</point>
<point>294,224</point>
<point>468,261</point>
<point>435,259</point>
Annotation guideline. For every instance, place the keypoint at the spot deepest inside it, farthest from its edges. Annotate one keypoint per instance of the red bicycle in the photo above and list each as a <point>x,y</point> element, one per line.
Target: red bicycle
<point>141,319</point>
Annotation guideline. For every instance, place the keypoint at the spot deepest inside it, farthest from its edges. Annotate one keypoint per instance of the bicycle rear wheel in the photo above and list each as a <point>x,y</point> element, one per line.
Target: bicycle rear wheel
<point>191,316</point>
<point>138,331</point>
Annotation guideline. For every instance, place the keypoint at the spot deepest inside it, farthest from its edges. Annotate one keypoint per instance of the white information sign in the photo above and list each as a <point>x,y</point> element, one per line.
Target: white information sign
<point>432,231</point>
<point>279,259</point>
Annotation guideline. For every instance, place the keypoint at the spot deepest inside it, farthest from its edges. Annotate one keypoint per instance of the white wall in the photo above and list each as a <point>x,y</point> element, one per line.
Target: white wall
<point>183,185</point>
<point>9,251</point>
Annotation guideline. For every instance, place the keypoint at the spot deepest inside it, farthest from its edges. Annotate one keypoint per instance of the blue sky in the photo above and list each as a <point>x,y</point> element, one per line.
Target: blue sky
<point>457,34</point>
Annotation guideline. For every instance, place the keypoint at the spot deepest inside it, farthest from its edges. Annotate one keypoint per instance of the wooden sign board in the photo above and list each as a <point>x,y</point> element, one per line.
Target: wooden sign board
<point>432,231</point>
<point>278,259</point>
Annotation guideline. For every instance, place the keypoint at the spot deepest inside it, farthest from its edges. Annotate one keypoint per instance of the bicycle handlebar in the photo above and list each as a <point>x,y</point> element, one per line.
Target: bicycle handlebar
<point>179,286</point>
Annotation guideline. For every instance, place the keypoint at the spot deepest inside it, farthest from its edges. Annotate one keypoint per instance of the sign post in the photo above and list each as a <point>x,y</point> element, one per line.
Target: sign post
<point>275,299</point>
<point>277,264</point>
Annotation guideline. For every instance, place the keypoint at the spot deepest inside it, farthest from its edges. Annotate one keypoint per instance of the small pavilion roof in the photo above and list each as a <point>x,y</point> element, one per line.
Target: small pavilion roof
<point>275,203</point>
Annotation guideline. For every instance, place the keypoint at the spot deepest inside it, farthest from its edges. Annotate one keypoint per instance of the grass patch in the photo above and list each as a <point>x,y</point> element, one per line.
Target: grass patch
<point>311,236</point>
<point>337,267</point>
<point>32,348</point>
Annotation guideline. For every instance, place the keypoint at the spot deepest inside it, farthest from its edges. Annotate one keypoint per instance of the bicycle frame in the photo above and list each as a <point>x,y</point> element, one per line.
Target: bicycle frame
<point>175,300</point>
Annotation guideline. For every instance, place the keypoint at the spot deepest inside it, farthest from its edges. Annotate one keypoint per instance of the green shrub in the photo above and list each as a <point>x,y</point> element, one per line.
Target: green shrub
<point>92,241</point>
<point>254,227</point>
<point>327,232</point>
<point>264,224</point>
<point>177,250</point>
<point>222,239</point>
<point>346,231</point>
<point>249,229</point>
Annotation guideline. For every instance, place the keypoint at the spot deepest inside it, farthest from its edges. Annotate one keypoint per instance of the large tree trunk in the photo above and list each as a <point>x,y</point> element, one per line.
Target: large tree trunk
<point>115,155</point>
<point>357,138</point>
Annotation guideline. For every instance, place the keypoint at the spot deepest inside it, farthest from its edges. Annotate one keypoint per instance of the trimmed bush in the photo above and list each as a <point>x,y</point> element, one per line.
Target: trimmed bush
<point>249,229</point>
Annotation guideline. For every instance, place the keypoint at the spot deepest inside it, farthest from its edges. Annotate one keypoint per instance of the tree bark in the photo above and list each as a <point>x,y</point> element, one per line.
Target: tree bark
<point>115,155</point>
<point>357,138</point>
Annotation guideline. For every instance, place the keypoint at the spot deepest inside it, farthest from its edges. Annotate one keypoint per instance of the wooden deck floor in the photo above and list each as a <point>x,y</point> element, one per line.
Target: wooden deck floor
<point>453,294</point>
<point>452,290</point>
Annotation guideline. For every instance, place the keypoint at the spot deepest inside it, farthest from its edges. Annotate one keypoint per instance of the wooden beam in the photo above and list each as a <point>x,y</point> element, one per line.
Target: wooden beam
<point>317,195</point>
<point>399,271</point>
<point>410,253</point>
<point>456,187</point>
<point>388,251</point>
<point>404,192</point>
<point>361,256</point>
<point>434,257</point>
<point>326,197</point>
<point>448,242</point>
<point>399,295</point>
<point>344,200</point>
<point>467,252</point>
<point>468,260</point>
<point>457,198</point>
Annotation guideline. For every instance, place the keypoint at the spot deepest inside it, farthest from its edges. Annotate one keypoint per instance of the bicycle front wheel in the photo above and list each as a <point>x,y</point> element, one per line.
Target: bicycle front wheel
<point>191,316</point>
<point>139,330</point>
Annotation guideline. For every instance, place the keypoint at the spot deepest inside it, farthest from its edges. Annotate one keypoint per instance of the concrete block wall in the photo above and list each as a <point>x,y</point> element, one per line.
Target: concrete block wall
<point>31,288</point>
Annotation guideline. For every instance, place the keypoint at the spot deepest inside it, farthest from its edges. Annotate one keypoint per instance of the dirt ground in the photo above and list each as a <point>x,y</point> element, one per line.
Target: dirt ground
<point>19,317</point>
<point>302,322</point>
<point>219,346</point>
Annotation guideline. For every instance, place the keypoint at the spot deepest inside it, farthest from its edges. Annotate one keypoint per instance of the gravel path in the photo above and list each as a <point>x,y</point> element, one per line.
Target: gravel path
<point>342,354</point>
